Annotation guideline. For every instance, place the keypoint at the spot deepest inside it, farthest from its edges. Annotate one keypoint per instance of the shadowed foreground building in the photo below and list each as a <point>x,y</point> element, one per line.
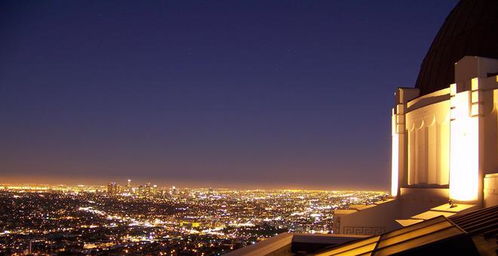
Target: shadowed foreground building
<point>444,183</point>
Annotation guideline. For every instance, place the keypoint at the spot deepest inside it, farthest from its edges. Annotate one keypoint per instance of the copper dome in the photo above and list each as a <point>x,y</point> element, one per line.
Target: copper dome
<point>471,29</point>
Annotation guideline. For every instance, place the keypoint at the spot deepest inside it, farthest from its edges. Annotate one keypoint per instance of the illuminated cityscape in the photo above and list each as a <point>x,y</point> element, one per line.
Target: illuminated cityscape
<point>145,219</point>
<point>242,105</point>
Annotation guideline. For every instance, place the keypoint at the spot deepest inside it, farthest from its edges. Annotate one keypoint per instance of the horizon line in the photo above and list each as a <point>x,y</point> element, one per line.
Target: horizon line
<point>191,185</point>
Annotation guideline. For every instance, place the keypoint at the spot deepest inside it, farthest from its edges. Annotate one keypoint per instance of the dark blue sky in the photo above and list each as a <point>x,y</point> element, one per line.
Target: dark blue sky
<point>255,93</point>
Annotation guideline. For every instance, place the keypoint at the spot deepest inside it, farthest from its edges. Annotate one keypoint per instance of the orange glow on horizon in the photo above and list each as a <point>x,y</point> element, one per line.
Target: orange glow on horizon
<point>47,180</point>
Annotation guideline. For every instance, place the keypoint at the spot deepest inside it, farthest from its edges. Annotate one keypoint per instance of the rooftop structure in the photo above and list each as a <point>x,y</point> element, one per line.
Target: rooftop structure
<point>473,233</point>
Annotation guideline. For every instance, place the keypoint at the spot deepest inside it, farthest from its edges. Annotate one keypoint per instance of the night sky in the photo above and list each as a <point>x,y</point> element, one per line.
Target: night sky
<point>207,93</point>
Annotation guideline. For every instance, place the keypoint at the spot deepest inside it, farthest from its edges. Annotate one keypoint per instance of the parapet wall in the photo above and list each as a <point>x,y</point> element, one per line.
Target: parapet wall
<point>367,220</point>
<point>491,190</point>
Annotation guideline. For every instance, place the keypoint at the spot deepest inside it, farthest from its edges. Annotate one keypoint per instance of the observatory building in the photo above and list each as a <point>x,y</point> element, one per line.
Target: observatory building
<point>444,174</point>
<point>445,130</point>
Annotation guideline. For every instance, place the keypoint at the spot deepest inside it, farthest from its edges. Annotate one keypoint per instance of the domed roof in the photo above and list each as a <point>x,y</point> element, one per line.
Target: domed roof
<point>471,29</point>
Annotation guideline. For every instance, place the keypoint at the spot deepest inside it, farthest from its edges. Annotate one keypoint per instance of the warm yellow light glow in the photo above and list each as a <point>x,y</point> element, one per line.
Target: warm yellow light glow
<point>395,151</point>
<point>464,150</point>
<point>394,162</point>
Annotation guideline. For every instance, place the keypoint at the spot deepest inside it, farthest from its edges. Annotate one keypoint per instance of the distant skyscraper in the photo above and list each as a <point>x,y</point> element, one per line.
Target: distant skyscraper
<point>129,188</point>
<point>112,188</point>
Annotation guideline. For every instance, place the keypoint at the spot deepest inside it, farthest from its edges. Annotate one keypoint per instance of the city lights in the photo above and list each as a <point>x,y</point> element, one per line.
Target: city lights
<point>173,221</point>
